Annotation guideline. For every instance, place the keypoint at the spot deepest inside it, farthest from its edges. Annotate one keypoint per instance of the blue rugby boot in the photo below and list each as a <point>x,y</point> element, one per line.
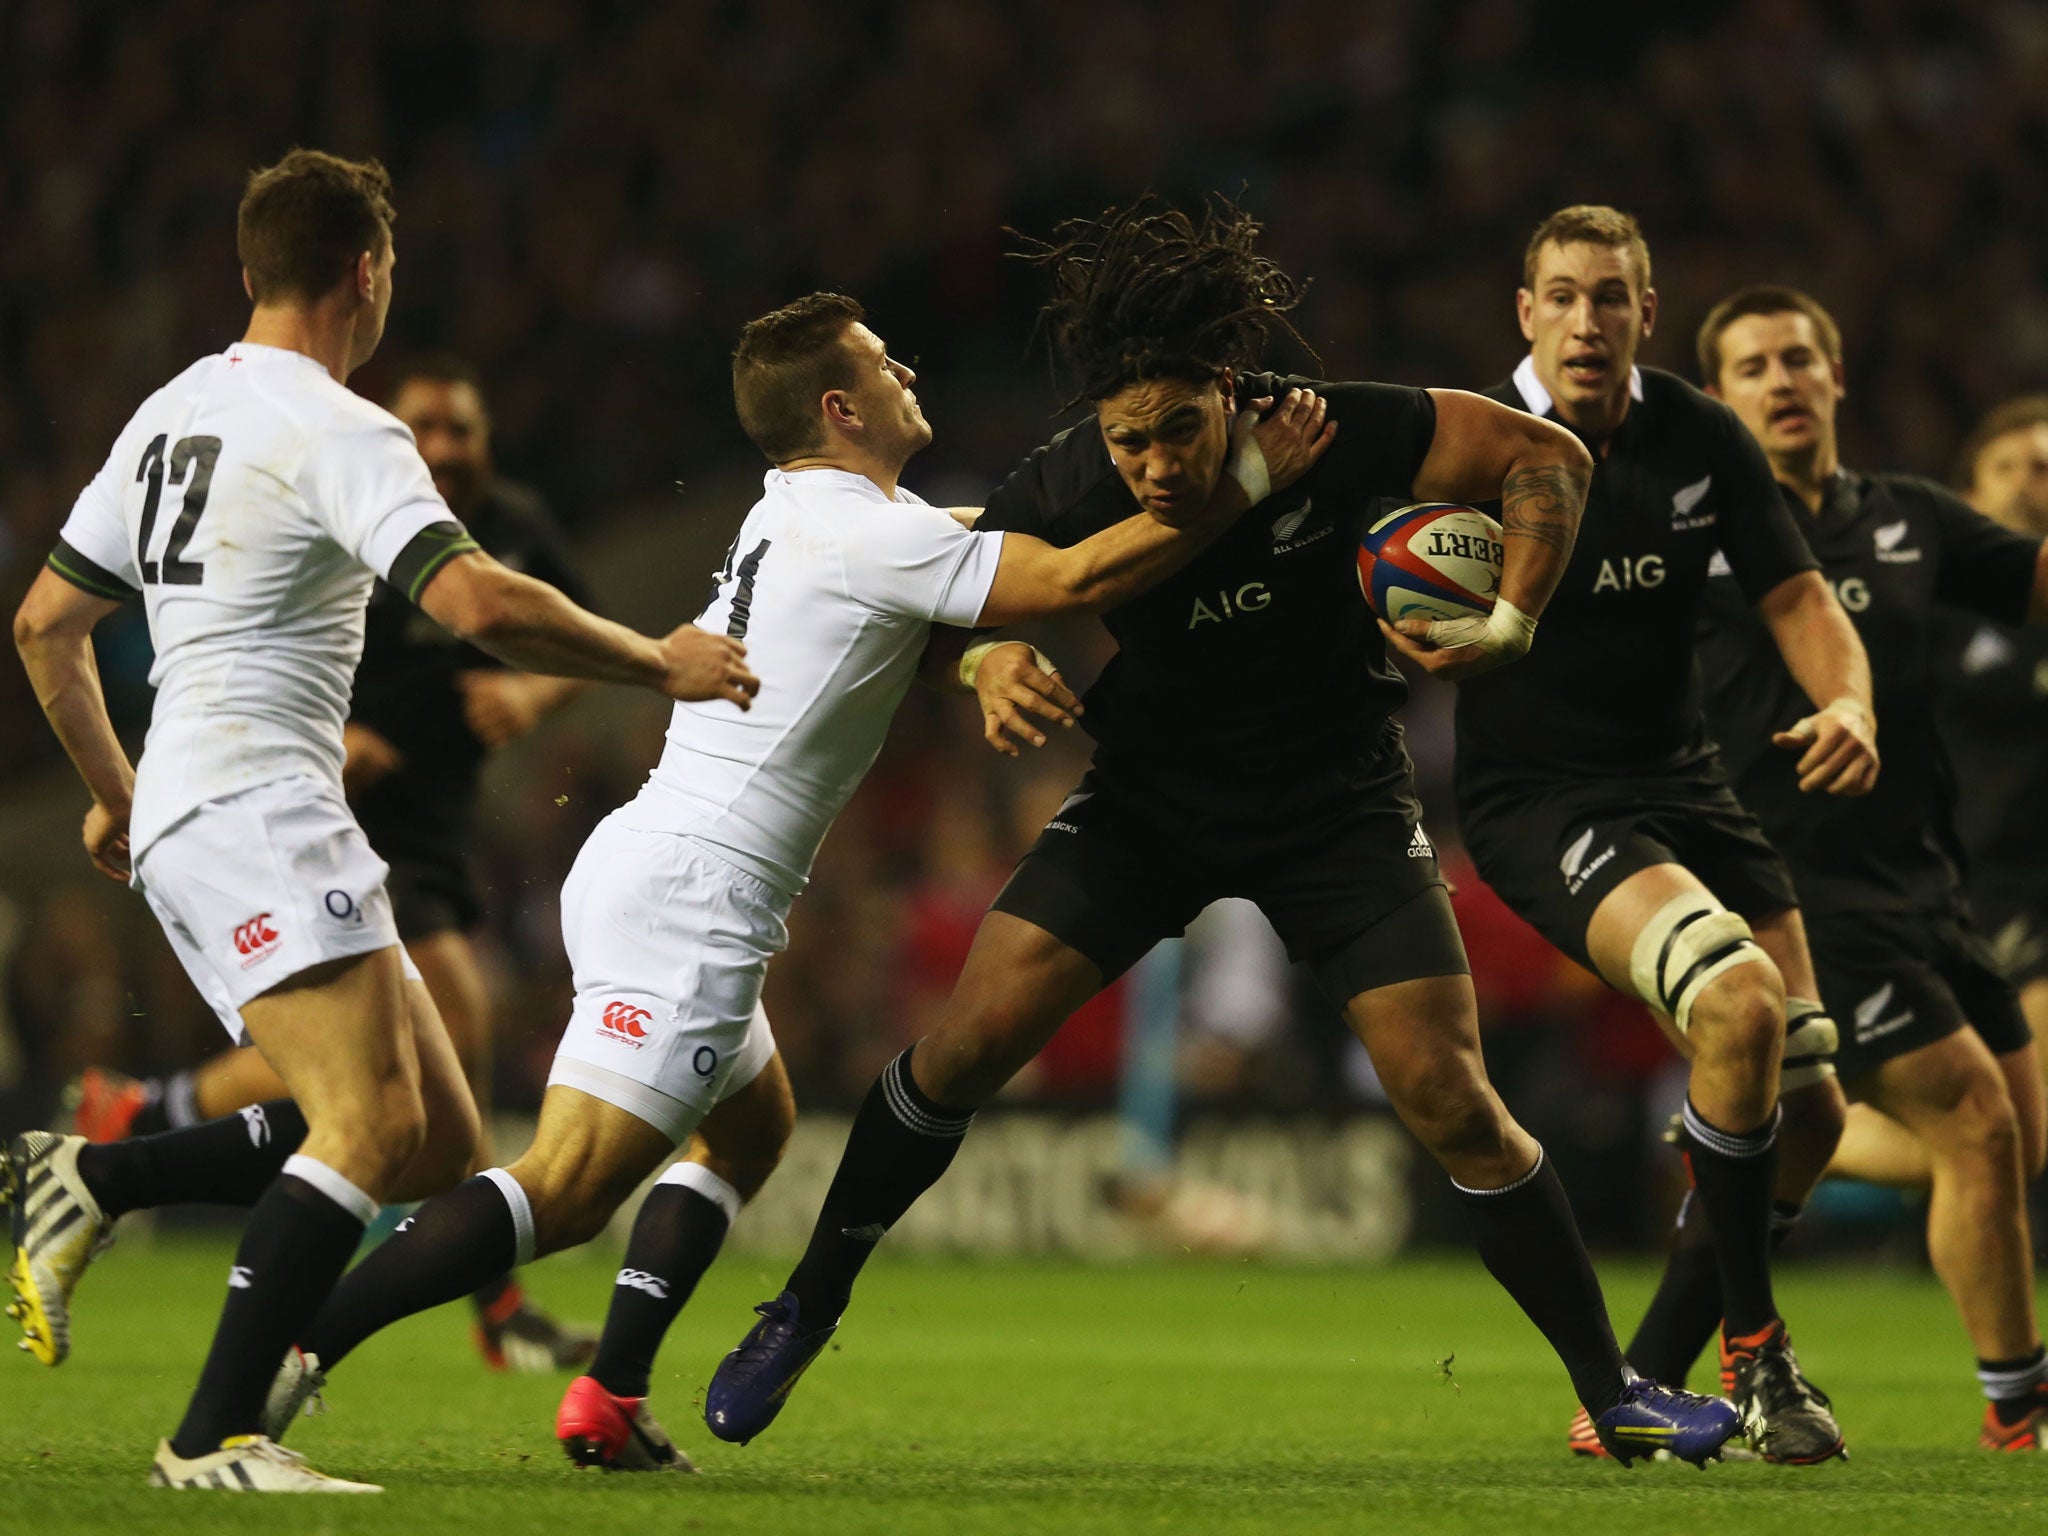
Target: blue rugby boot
<point>755,1380</point>
<point>1652,1418</point>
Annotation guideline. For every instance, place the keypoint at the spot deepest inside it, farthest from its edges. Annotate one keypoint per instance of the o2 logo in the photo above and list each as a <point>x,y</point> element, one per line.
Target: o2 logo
<point>342,907</point>
<point>704,1062</point>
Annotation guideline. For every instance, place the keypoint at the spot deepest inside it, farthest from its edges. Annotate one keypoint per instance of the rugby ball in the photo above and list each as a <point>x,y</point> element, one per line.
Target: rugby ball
<point>1437,560</point>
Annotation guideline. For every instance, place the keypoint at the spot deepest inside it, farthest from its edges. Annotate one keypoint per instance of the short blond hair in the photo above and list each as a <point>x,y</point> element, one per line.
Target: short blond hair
<point>1588,224</point>
<point>2017,415</point>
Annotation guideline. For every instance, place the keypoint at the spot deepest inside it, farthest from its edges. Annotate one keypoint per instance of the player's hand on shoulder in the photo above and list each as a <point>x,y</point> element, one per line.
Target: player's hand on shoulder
<point>1837,749</point>
<point>1016,693</point>
<point>106,841</point>
<point>1291,437</point>
<point>704,666</point>
<point>498,706</point>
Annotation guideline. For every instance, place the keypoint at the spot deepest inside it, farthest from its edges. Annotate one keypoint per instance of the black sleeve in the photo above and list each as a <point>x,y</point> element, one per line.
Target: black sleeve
<point>1757,532</point>
<point>547,554</point>
<point>1985,569</point>
<point>1383,435</point>
<point>1062,492</point>
<point>88,575</point>
<point>428,555</point>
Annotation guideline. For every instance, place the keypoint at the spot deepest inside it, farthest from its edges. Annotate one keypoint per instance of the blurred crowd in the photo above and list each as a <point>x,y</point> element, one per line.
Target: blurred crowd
<point>593,197</point>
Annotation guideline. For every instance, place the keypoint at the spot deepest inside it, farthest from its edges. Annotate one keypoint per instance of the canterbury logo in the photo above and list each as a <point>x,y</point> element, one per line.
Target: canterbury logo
<point>255,936</point>
<point>640,1280</point>
<point>626,1020</point>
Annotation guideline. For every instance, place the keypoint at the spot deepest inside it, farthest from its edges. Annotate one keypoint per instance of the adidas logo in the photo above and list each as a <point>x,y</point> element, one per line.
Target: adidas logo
<point>258,1123</point>
<point>240,1278</point>
<point>641,1280</point>
<point>1987,651</point>
<point>1419,846</point>
<point>873,1232</point>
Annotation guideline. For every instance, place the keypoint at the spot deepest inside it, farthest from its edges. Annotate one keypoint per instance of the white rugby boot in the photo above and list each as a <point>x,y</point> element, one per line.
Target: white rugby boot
<point>295,1388</point>
<point>247,1464</point>
<point>58,1229</point>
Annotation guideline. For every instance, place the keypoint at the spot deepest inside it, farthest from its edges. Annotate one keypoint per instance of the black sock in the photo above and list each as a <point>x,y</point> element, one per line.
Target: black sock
<point>1530,1243</point>
<point>229,1161</point>
<point>1685,1314</point>
<point>442,1252</point>
<point>1734,1176</point>
<point>675,1237</point>
<point>901,1144</point>
<point>298,1241</point>
<point>2015,1387</point>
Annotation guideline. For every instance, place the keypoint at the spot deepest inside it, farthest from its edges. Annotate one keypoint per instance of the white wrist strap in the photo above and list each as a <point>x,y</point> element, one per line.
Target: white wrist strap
<point>970,662</point>
<point>1506,632</point>
<point>1247,466</point>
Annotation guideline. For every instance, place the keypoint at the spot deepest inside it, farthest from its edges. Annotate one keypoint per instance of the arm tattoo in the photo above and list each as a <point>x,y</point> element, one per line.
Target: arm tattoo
<point>1543,504</point>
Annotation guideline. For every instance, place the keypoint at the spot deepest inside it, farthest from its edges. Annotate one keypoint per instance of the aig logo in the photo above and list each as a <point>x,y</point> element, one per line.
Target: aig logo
<point>1249,598</point>
<point>1626,575</point>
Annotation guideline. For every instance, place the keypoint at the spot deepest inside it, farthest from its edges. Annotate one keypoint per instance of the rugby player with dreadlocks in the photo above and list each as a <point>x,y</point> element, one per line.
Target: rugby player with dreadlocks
<point>1245,747</point>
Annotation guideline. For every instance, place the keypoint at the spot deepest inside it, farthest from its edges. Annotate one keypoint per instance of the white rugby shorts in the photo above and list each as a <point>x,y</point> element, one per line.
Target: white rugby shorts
<point>255,887</point>
<point>669,944</point>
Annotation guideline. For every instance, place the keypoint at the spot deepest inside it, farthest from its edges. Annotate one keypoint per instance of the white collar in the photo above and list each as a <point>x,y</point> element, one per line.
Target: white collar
<point>1537,398</point>
<point>828,474</point>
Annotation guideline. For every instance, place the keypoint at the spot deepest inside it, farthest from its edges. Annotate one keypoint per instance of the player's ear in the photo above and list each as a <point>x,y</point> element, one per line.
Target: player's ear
<point>1525,313</point>
<point>1649,311</point>
<point>841,413</point>
<point>1226,381</point>
<point>248,287</point>
<point>366,276</point>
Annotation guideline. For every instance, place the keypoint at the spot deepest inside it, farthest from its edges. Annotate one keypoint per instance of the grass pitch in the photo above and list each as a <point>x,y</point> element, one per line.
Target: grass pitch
<point>1199,1397</point>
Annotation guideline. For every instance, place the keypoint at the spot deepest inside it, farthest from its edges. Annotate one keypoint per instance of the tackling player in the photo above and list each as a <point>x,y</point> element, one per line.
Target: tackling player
<point>251,502</point>
<point>677,902</point>
<point>1245,746</point>
<point>1592,802</point>
<point>425,711</point>
<point>1899,960</point>
<point>1995,718</point>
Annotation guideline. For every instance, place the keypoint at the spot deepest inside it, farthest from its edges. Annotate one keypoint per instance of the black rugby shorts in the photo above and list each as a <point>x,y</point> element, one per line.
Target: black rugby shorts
<point>1896,981</point>
<point>1553,853</point>
<point>2015,924</point>
<point>1348,879</point>
<point>430,896</point>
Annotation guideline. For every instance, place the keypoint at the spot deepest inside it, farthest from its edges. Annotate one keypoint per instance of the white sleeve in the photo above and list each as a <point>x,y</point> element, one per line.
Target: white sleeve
<point>915,560</point>
<point>95,532</point>
<point>369,489</point>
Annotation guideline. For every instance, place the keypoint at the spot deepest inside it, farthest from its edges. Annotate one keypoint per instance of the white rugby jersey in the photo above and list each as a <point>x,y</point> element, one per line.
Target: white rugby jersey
<point>250,500</point>
<point>834,589</point>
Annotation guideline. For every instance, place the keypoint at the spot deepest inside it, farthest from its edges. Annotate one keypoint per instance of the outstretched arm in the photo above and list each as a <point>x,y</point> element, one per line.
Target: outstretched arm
<point>1540,472</point>
<point>53,632</point>
<point>1838,742</point>
<point>1036,579</point>
<point>528,624</point>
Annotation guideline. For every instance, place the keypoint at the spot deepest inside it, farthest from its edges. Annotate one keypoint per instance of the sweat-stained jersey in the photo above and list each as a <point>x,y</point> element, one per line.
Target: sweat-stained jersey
<point>1897,550</point>
<point>252,501</point>
<point>1259,662</point>
<point>834,588</point>
<point>1608,689</point>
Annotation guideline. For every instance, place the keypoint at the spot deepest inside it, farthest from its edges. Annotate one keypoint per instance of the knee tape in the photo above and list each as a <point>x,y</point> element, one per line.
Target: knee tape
<point>1810,1041</point>
<point>1691,940</point>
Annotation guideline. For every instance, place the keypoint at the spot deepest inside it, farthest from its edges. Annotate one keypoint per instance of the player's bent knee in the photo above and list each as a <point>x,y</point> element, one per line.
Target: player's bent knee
<point>1694,948</point>
<point>1453,1114</point>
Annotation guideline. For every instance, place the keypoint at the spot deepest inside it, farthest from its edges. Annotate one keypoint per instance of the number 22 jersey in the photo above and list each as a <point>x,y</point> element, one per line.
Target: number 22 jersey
<point>251,501</point>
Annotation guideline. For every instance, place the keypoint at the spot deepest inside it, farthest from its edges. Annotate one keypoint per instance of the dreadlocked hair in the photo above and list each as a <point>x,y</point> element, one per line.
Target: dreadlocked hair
<point>1145,292</point>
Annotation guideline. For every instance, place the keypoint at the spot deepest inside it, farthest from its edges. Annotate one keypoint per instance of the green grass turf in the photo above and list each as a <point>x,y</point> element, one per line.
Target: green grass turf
<point>1200,1397</point>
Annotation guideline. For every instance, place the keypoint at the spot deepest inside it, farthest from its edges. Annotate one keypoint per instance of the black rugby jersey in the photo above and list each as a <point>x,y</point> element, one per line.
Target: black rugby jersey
<point>1994,722</point>
<point>405,686</point>
<point>1609,688</point>
<point>1261,654</point>
<point>1894,548</point>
